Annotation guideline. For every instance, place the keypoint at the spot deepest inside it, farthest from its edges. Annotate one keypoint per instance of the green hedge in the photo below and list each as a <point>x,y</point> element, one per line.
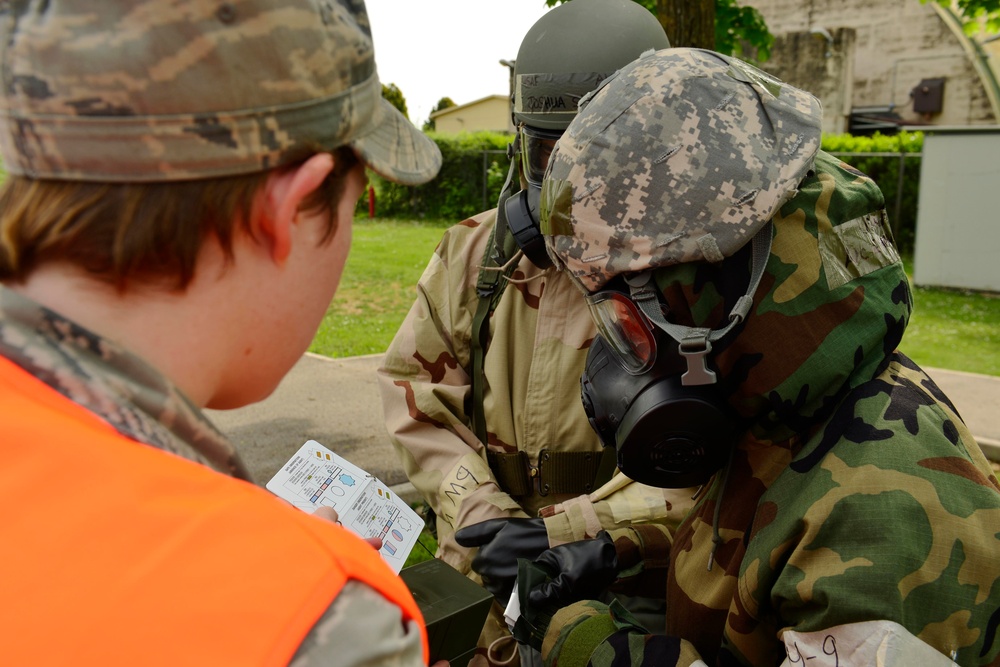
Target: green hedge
<point>884,170</point>
<point>457,192</point>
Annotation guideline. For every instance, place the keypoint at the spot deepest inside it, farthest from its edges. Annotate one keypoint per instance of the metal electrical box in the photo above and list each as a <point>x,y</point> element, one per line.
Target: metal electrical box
<point>928,96</point>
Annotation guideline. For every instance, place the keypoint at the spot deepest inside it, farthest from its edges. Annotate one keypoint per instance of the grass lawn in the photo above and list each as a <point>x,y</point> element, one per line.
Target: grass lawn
<point>955,330</point>
<point>377,288</point>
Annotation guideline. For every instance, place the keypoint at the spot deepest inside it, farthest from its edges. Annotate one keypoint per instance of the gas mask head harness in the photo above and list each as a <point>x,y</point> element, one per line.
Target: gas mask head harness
<point>647,387</point>
<point>531,150</point>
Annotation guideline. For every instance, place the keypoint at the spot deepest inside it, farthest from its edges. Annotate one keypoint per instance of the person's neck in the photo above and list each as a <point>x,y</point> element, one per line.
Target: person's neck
<point>170,329</point>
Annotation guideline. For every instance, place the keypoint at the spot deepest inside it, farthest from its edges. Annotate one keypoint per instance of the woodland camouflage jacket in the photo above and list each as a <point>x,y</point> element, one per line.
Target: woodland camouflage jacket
<point>857,513</point>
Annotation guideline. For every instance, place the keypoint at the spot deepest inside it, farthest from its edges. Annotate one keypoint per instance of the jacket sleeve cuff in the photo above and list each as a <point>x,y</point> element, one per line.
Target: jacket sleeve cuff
<point>578,630</point>
<point>574,633</point>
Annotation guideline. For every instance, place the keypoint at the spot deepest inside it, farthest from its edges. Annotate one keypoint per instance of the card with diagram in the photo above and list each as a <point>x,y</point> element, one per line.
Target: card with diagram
<point>317,477</point>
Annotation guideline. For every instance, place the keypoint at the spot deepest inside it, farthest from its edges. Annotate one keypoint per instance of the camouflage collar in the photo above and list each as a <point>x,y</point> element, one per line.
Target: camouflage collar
<point>116,385</point>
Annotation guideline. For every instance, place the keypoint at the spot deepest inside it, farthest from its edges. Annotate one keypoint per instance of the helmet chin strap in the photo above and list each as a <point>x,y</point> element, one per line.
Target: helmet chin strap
<point>510,187</point>
<point>694,343</point>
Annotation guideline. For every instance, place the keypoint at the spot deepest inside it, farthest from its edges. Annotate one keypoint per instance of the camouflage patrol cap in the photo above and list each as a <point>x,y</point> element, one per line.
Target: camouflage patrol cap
<point>146,90</point>
<point>682,156</point>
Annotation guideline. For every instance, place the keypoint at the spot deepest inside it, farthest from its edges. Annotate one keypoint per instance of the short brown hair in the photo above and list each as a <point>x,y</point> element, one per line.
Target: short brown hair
<point>136,231</point>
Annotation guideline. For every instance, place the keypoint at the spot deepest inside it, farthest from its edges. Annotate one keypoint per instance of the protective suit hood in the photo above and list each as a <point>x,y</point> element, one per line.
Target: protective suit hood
<point>831,308</point>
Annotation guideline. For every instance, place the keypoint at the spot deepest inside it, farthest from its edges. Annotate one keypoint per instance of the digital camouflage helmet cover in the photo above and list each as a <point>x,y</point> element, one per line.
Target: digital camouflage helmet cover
<point>639,181</point>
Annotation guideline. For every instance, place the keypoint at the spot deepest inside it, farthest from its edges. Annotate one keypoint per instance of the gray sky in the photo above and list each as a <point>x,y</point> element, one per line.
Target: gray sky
<point>452,48</point>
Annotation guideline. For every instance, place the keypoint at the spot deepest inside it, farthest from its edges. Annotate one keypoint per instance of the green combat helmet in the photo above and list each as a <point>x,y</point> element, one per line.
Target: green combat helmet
<point>571,49</point>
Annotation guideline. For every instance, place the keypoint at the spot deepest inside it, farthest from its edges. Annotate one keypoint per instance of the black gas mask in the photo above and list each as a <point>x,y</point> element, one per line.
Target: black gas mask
<point>533,148</point>
<point>667,434</point>
<point>647,386</point>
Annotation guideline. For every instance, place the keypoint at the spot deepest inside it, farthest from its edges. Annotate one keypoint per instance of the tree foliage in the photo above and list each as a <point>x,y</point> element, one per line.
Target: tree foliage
<point>976,14</point>
<point>735,26</point>
<point>394,95</point>
<point>443,103</point>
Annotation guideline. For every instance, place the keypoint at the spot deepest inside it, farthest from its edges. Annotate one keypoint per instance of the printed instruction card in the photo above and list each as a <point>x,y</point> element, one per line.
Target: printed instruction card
<point>316,477</point>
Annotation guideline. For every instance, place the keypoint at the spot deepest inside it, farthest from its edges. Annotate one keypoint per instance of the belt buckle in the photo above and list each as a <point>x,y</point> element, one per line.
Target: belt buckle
<point>536,472</point>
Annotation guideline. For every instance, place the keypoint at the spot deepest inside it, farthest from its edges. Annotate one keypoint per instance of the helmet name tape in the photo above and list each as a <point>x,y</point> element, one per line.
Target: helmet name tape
<point>553,93</point>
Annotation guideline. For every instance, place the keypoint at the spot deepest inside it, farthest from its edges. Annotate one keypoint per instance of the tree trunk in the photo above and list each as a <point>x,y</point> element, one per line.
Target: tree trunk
<point>688,22</point>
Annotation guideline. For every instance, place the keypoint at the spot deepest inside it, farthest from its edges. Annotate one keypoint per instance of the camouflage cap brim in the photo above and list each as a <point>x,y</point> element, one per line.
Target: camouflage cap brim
<point>146,91</point>
<point>396,150</point>
<point>681,156</point>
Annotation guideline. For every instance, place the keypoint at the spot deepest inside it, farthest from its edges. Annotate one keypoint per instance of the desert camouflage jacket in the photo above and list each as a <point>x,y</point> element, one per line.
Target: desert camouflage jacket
<point>539,336</point>
<point>857,522</point>
<point>141,404</point>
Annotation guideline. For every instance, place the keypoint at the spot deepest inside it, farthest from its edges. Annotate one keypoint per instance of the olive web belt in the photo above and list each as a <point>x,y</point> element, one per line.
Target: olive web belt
<point>557,472</point>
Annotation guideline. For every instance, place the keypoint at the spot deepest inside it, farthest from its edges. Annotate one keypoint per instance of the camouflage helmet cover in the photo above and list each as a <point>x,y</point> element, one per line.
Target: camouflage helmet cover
<point>144,90</point>
<point>681,157</point>
<point>571,49</point>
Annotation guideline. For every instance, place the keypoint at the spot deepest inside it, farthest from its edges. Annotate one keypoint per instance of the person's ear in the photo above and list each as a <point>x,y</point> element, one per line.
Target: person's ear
<point>284,192</point>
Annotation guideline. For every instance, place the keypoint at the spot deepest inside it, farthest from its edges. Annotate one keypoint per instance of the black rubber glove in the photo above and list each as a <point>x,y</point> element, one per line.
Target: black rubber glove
<point>501,542</point>
<point>578,571</point>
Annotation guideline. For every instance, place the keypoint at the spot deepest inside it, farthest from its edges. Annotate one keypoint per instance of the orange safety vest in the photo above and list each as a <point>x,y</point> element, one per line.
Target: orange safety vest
<point>115,552</point>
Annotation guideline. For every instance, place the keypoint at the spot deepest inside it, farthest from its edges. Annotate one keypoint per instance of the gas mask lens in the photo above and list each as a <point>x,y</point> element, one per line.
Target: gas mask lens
<point>624,329</point>
<point>536,148</point>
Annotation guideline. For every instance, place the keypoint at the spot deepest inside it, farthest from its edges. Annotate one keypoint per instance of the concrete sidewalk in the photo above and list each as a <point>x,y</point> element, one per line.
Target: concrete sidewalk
<point>336,402</point>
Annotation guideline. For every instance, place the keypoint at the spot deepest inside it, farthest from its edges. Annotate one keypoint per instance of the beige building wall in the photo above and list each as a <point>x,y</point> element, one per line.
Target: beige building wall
<point>489,113</point>
<point>824,67</point>
<point>880,50</point>
<point>992,49</point>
